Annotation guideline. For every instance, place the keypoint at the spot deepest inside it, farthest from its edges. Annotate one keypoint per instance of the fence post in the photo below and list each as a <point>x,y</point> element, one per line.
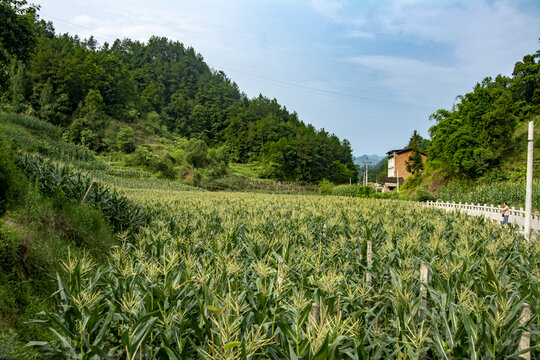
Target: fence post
<point>313,316</point>
<point>424,273</point>
<point>88,191</point>
<point>369,258</point>
<point>525,340</point>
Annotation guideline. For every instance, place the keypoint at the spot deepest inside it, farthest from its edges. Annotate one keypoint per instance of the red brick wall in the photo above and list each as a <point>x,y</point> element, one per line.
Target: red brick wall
<point>401,164</point>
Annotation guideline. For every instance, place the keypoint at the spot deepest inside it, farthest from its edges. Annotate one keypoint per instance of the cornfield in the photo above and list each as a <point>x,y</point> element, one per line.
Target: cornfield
<point>259,276</point>
<point>66,185</point>
<point>497,193</point>
<point>362,191</point>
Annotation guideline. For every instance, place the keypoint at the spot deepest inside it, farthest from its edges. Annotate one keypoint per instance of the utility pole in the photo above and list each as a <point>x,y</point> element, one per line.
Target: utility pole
<point>528,194</point>
<point>366,163</point>
<point>397,179</point>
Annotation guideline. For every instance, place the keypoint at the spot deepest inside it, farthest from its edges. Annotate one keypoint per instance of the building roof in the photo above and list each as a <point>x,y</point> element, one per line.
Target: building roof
<point>401,151</point>
<point>391,180</point>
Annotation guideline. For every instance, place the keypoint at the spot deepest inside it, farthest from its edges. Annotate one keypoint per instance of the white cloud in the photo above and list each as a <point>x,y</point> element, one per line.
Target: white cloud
<point>484,35</point>
<point>83,20</point>
<point>358,34</point>
<point>336,12</point>
<point>330,9</point>
<point>483,39</point>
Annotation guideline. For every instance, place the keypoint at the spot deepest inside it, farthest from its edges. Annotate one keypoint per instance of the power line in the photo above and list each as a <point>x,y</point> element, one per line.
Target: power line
<point>325,92</point>
<point>292,84</point>
<point>68,22</point>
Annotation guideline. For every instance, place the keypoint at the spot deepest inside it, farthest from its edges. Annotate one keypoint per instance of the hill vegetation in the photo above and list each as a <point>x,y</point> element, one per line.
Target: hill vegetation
<point>482,140</point>
<point>123,98</point>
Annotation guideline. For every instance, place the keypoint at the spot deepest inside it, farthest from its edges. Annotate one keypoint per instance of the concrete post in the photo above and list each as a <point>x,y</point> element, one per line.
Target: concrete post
<point>528,194</point>
<point>525,340</point>
<point>369,258</point>
<point>424,273</point>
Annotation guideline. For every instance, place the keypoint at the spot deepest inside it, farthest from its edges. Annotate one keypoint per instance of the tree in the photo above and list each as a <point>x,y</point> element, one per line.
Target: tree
<point>18,30</point>
<point>418,142</point>
<point>197,152</point>
<point>17,34</point>
<point>469,139</point>
<point>125,140</point>
<point>414,162</point>
<point>526,84</point>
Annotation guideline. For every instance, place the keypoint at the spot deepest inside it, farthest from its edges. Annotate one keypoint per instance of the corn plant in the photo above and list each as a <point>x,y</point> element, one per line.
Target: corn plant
<point>259,276</point>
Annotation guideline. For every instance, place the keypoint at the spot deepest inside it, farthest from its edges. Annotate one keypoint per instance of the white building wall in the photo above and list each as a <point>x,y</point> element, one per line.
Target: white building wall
<point>391,166</point>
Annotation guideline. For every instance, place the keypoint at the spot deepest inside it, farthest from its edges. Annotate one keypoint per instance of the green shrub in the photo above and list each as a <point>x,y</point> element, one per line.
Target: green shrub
<point>325,187</point>
<point>7,345</point>
<point>125,140</point>
<point>423,195</point>
<point>197,153</point>
<point>386,195</point>
<point>164,169</point>
<point>12,348</point>
<point>10,178</point>
<point>87,227</point>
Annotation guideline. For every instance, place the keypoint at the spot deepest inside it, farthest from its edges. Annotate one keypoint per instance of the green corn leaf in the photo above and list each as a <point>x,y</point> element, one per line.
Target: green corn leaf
<point>230,345</point>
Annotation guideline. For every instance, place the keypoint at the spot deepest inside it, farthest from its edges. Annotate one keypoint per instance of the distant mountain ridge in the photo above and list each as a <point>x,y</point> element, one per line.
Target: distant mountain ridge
<point>373,159</point>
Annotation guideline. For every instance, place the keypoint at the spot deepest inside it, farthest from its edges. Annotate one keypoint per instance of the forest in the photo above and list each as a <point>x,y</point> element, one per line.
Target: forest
<point>482,136</point>
<point>96,93</point>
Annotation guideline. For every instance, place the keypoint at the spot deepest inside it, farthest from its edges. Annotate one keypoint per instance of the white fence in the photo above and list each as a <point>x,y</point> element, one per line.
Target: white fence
<point>491,212</point>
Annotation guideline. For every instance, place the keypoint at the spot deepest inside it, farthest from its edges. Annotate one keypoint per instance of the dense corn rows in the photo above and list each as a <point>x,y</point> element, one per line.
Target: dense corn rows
<point>66,185</point>
<point>511,192</point>
<point>362,191</point>
<point>242,276</point>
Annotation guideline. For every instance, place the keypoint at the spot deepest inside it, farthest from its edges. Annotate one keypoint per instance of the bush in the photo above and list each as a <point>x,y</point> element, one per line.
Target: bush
<point>196,153</point>
<point>164,169</point>
<point>423,195</point>
<point>386,195</point>
<point>10,178</point>
<point>325,187</point>
<point>88,227</point>
<point>125,140</point>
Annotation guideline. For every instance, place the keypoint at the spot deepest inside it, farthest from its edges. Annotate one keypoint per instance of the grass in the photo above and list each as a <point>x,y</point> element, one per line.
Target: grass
<point>246,170</point>
<point>32,240</point>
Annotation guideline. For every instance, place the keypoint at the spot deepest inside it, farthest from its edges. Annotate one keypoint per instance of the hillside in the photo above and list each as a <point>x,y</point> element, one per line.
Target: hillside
<point>482,140</point>
<point>159,106</point>
<point>376,167</point>
<point>112,247</point>
<point>373,158</point>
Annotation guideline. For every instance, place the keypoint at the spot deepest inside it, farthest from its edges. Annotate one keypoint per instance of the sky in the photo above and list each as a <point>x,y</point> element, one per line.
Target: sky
<point>370,71</point>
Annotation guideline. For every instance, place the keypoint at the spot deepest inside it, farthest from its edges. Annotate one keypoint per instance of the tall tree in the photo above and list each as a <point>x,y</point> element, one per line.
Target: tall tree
<point>18,29</point>
<point>414,162</point>
<point>17,34</point>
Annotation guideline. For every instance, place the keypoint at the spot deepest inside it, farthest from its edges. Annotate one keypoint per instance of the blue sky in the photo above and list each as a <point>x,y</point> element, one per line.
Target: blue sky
<point>368,71</point>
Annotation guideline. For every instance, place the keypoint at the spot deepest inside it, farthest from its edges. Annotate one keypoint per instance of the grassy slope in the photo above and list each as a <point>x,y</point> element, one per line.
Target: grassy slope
<point>36,233</point>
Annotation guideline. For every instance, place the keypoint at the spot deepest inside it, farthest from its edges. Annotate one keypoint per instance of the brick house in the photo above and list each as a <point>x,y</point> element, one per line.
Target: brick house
<point>397,168</point>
